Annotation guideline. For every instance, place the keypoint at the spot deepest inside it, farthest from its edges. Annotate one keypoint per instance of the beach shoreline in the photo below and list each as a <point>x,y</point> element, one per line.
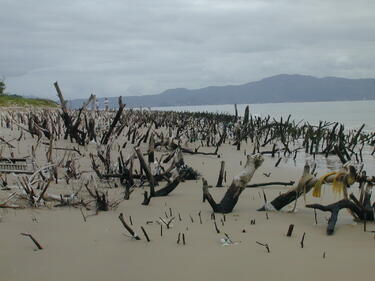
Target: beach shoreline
<point>79,244</point>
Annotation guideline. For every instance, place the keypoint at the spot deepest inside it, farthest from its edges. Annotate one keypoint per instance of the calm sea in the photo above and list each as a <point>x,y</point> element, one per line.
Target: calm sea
<point>351,113</point>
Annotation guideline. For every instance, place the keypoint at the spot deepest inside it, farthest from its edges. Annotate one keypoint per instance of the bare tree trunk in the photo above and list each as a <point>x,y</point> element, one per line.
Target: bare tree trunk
<point>306,183</point>
<point>147,170</point>
<point>107,135</point>
<point>151,149</point>
<point>334,210</point>
<point>239,183</point>
<point>221,175</point>
<point>169,187</point>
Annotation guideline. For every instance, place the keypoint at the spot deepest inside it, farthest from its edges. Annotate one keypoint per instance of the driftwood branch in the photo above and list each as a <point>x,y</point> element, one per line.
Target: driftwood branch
<point>334,210</point>
<point>239,183</point>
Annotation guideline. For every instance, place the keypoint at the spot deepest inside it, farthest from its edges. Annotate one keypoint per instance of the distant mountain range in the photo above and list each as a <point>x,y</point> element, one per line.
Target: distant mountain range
<point>279,88</point>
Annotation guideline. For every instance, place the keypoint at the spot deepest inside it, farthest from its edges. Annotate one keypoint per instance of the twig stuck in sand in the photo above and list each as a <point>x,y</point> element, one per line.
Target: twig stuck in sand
<point>303,239</point>
<point>290,230</point>
<point>128,228</point>
<point>264,245</point>
<point>33,239</point>
<point>145,233</point>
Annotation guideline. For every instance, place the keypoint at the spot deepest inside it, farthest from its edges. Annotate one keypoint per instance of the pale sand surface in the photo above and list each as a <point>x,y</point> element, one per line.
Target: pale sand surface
<point>98,250</point>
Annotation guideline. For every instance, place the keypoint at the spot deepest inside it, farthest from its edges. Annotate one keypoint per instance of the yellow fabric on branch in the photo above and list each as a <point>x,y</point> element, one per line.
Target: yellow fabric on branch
<point>350,179</point>
<point>338,183</point>
<point>318,186</point>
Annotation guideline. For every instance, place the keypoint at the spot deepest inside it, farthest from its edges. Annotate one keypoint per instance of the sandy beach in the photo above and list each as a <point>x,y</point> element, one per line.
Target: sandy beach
<point>101,249</point>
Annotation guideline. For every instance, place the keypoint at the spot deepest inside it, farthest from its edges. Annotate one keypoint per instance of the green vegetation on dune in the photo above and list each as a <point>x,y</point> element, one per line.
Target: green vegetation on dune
<point>15,100</point>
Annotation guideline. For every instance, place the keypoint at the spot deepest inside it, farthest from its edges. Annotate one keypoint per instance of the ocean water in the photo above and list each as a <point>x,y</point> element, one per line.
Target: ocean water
<point>351,113</point>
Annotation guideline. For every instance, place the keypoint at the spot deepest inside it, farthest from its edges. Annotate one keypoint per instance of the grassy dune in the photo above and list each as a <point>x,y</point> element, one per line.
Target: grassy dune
<point>15,100</point>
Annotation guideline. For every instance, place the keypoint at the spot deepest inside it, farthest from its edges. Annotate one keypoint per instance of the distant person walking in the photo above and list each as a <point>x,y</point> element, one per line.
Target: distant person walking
<point>93,104</point>
<point>97,106</point>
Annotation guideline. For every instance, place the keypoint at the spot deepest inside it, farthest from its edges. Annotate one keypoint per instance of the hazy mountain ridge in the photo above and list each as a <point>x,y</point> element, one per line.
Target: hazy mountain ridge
<point>279,88</point>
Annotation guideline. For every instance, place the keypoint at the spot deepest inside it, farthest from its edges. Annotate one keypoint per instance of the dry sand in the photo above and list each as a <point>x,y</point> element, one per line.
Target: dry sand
<point>99,250</point>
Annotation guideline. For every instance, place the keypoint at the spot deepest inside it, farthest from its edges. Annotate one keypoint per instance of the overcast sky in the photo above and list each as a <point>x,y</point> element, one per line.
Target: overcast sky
<point>122,47</point>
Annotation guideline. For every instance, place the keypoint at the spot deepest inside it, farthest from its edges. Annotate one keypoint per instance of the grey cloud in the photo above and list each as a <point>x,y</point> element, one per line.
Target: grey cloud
<point>143,47</point>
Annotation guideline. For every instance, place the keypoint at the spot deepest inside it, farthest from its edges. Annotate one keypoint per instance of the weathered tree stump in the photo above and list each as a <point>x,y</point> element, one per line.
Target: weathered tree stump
<point>239,183</point>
